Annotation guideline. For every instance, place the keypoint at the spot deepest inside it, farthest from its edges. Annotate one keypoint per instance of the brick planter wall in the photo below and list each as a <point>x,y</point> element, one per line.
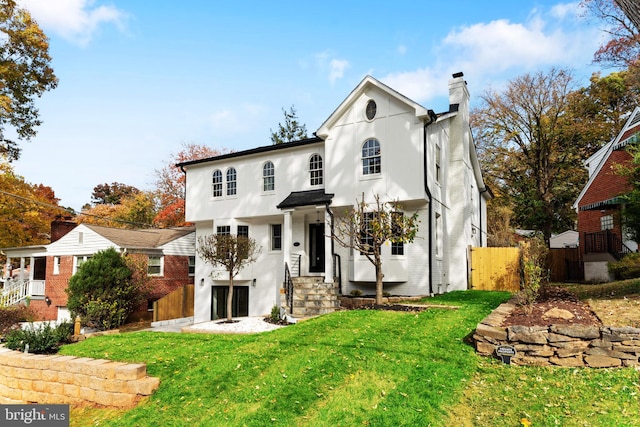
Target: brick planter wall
<point>559,345</point>
<point>51,379</point>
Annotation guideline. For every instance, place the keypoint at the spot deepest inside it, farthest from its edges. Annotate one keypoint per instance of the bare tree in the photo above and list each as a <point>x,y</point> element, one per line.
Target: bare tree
<point>231,252</point>
<point>366,227</point>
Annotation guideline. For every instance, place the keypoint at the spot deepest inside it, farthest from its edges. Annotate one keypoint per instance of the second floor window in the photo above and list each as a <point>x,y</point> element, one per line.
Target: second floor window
<point>231,181</point>
<point>371,157</point>
<point>216,184</point>
<point>315,170</point>
<point>268,177</point>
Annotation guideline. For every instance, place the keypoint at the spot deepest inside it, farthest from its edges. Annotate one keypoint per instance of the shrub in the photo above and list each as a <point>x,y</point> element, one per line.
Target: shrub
<point>104,291</point>
<point>275,314</point>
<point>44,339</point>
<point>10,318</point>
<point>535,274</point>
<point>356,292</point>
<point>627,268</point>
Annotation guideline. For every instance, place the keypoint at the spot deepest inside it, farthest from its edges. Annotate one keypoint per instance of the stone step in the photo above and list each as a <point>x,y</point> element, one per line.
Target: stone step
<point>318,303</point>
<point>329,293</point>
<point>311,311</point>
<point>312,298</point>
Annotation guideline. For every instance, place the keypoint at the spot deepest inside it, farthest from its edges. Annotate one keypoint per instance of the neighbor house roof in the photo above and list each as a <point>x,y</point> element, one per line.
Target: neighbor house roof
<point>142,238</point>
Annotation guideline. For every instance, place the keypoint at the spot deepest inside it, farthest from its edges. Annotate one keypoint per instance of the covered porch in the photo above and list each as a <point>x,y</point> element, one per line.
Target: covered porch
<point>24,275</point>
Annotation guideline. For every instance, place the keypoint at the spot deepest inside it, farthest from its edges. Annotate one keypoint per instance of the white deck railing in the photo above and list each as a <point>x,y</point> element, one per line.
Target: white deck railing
<point>17,290</point>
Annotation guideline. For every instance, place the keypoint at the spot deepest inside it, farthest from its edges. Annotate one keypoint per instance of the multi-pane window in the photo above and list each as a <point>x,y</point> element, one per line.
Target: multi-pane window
<point>80,260</point>
<point>192,265</point>
<point>366,232</point>
<point>223,229</point>
<point>276,237</point>
<point>154,266</point>
<point>216,184</point>
<point>606,222</point>
<point>268,177</point>
<point>371,157</point>
<point>315,169</point>
<point>397,248</point>
<point>243,241</point>
<point>231,181</point>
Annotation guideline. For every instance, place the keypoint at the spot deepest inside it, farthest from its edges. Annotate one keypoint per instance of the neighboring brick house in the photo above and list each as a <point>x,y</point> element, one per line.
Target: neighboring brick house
<point>45,270</point>
<point>602,236</point>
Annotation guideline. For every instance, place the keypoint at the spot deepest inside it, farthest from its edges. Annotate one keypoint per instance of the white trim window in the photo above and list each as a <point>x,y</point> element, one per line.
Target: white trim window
<point>155,265</point>
<point>397,248</point>
<point>56,265</point>
<point>315,170</point>
<point>192,265</point>
<point>216,183</point>
<point>78,260</point>
<point>371,157</point>
<point>276,237</point>
<point>606,222</point>
<point>232,179</point>
<point>268,177</point>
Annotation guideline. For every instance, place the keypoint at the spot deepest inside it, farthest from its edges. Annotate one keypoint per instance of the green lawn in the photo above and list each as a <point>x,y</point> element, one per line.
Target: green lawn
<point>354,368</point>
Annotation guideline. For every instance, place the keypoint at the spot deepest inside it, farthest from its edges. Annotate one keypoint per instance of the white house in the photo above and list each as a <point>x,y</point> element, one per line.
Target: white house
<point>286,197</point>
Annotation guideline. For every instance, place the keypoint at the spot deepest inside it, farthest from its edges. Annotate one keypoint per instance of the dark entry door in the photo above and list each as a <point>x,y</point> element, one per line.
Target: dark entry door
<point>316,248</point>
<point>240,303</point>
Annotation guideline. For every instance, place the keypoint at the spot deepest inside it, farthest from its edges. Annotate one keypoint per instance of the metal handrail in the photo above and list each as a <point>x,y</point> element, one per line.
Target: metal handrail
<point>606,241</point>
<point>337,268</point>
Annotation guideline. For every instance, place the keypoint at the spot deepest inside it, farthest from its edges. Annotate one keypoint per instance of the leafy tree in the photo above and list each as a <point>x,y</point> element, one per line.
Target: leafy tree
<point>291,130</point>
<point>134,211</point>
<point>112,194</point>
<point>25,74</point>
<point>366,227</point>
<point>26,210</point>
<point>530,150</point>
<point>622,47</point>
<point>231,252</point>
<point>103,292</point>
<point>170,184</point>
<point>631,207</point>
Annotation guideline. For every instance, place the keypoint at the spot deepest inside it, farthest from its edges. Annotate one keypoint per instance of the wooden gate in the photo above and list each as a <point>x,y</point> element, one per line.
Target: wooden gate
<point>495,269</point>
<point>175,305</point>
<point>566,265</point>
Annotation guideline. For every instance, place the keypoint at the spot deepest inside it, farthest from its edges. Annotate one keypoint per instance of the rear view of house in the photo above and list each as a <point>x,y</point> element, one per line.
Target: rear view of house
<point>40,274</point>
<point>602,236</point>
<point>287,197</point>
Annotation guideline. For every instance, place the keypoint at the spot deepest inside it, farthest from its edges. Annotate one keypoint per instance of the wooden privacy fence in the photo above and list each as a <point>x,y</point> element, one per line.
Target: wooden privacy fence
<point>495,269</point>
<point>565,265</point>
<point>175,305</point>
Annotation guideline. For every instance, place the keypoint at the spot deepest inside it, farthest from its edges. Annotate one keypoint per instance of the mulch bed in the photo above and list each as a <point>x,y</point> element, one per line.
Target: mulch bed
<point>553,297</point>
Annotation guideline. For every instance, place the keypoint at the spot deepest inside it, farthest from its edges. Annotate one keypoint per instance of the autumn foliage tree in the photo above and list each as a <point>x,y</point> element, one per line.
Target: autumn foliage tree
<point>136,210</point>
<point>367,226</point>
<point>232,253</point>
<point>25,74</point>
<point>171,181</point>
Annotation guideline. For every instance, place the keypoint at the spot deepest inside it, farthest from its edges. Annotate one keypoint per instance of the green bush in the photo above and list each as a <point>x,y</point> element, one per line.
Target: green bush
<point>535,274</point>
<point>275,314</point>
<point>627,268</point>
<point>10,318</point>
<point>105,290</point>
<point>44,339</point>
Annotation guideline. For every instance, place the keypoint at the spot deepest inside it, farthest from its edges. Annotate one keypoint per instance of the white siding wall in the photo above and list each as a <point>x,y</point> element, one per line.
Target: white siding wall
<point>183,246</point>
<point>72,244</point>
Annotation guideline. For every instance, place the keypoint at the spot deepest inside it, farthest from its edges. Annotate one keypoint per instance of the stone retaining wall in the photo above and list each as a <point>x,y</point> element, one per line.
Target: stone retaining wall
<point>559,345</point>
<point>50,379</point>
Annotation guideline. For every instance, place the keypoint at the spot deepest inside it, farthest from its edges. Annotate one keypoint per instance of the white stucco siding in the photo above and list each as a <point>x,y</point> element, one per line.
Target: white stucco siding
<point>291,174</point>
<point>400,135</point>
<point>79,241</point>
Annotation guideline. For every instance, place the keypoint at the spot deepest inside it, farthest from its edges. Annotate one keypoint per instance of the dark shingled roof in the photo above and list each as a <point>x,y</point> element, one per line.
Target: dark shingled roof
<point>305,198</point>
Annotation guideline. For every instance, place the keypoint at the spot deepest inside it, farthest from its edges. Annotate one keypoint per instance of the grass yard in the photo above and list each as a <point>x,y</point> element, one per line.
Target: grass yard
<point>356,368</point>
<point>615,303</point>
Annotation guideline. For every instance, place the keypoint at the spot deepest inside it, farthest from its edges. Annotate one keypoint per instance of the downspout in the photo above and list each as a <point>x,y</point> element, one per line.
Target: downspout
<point>432,118</point>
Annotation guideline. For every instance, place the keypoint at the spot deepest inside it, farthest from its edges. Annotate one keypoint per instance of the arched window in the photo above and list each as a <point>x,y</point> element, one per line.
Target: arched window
<point>216,184</point>
<point>268,177</point>
<point>315,170</point>
<point>371,157</point>
<point>231,181</point>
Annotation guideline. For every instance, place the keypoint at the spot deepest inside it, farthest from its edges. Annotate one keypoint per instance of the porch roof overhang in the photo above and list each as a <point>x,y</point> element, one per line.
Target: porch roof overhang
<point>305,198</point>
<point>609,202</point>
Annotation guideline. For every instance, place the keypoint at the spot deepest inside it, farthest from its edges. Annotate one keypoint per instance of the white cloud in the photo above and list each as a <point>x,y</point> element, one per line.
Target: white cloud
<point>74,20</point>
<point>337,69</point>
<point>490,53</point>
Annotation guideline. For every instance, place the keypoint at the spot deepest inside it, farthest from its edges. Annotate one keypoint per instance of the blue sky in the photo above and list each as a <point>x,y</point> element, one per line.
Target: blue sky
<point>139,78</point>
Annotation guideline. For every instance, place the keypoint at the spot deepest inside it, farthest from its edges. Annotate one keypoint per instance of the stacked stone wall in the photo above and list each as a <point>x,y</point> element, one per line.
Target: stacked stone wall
<point>559,345</point>
<point>79,381</point>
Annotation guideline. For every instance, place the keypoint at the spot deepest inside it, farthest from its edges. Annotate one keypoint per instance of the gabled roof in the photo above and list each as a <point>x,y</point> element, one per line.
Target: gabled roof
<point>142,238</point>
<point>366,83</point>
<point>629,133</point>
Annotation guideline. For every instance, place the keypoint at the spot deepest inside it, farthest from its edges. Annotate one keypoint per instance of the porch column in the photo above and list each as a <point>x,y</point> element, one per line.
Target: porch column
<point>328,256</point>
<point>287,237</point>
<point>22,267</point>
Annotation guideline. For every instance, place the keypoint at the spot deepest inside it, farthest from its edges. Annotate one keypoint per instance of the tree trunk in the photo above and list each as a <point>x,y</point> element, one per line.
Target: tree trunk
<point>230,299</point>
<point>379,277</point>
<point>631,9</point>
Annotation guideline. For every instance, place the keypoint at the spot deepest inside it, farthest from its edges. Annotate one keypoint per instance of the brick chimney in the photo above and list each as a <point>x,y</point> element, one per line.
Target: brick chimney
<point>61,226</point>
